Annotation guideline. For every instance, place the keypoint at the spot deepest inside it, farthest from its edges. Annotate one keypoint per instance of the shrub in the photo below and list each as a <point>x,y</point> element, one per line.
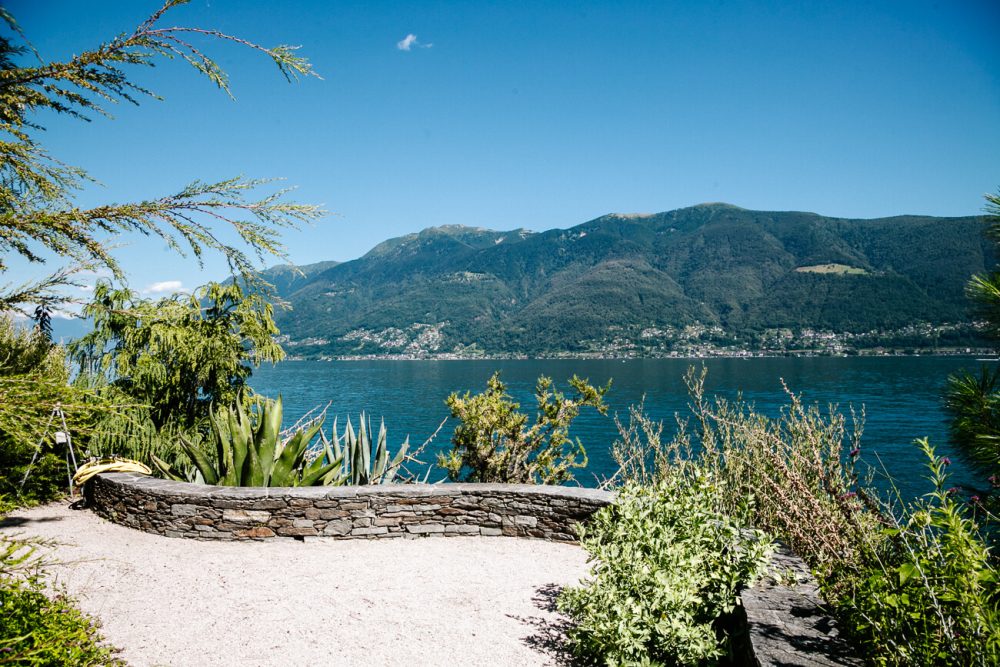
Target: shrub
<point>931,596</point>
<point>911,584</point>
<point>36,629</point>
<point>491,444</point>
<point>667,566</point>
<point>786,475</point>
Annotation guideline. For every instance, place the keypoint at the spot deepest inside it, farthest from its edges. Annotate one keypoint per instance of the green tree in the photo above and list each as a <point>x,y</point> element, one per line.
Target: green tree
<point>492,443</point>
<point>974,401</point>
<point>33,381</point>
<point>179,354</point>
<point>37,212</point>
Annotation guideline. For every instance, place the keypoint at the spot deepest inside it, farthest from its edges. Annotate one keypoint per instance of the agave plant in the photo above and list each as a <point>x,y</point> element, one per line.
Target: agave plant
<point>364,462</point>
<point>251,452</point>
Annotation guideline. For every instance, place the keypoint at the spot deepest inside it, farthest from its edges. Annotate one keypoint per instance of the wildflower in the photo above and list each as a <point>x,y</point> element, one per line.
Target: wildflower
<point>946,461</point>
<point>993,480</point>
<point>952,491</point>
<point>975,500</point>
<point>855,452</point>
<point>849,495</point>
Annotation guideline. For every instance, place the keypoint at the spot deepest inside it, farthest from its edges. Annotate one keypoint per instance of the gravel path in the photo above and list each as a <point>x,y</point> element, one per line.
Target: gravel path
<point>434,601</point>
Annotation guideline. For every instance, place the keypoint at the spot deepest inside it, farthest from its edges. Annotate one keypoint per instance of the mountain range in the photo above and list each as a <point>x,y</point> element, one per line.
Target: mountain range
<point>645,283</point>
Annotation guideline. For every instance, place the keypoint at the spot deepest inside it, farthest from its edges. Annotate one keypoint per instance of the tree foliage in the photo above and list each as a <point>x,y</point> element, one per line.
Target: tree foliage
<point>180,353</point>
<point>37,211</point>
<point>493,444</point>
<point>974,401</point>
<point>33,382</point>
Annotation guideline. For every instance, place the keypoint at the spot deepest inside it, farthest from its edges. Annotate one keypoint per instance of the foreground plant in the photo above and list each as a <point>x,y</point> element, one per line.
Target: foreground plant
<point>40,627</point>
<point>492,443</point>
<point>912,585</point>
<point>792,476</point>
<point>361,460</point>
<point>248,448</point>
<point>667,567</point>
<point>931,596</point>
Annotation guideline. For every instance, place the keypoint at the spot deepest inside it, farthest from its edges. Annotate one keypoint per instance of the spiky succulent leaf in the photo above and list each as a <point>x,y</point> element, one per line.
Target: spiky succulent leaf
<point>218,420</point>
<point>253,473</point>
<point>165,468</point>
<point>338,452</point>
<point>312,477</point>
<point>365,450</point>
<point>267,436</point>
<point>241,436</point>
<point>389,475</point>
<point>202,462</point>
<point>286,468</point>
<point>381,454</point>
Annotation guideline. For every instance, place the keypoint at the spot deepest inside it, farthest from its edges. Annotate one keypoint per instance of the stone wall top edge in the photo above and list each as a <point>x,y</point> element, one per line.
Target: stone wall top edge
<point>159,486</point>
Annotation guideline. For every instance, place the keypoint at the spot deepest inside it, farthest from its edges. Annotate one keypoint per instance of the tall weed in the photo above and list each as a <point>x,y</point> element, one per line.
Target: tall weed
<point>913,584</point>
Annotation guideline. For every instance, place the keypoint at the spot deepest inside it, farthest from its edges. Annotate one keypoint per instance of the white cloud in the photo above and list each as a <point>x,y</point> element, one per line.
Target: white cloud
<point>165,287</point>
<point>410,41</point>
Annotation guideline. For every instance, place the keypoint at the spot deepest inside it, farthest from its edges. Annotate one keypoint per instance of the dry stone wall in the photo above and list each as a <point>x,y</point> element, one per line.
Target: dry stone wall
<point>177,509</point>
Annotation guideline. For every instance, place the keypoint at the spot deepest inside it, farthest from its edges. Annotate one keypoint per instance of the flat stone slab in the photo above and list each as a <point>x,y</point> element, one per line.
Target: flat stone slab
<point>788,623</point>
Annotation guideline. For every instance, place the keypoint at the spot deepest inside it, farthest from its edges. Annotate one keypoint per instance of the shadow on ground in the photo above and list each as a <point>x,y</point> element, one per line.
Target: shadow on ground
<point>548,636</point>
<point>17,521</point>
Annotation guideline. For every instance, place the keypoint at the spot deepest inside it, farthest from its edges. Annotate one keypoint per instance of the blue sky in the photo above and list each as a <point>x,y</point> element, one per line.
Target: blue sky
<point>543,115</point>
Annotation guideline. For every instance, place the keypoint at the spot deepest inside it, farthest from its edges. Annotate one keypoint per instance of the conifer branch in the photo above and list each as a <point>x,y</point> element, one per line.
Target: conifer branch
<point>36,210</point>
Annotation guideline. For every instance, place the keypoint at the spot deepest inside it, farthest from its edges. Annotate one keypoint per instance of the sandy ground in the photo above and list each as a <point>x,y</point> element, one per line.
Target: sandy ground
<point>433,601</point>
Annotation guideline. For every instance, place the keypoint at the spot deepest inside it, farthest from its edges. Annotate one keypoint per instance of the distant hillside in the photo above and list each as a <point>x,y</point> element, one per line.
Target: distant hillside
<point>287,278</point>
<point>636,282</point>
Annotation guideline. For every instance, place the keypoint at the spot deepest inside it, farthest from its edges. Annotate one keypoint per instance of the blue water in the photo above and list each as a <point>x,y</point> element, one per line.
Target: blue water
<point>901,397</point>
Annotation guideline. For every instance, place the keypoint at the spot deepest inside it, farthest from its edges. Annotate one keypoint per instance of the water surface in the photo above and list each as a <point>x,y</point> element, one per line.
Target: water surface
<point>901,397</point>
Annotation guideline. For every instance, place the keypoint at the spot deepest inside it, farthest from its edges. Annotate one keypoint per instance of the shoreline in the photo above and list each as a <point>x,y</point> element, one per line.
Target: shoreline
<point>987,355</point>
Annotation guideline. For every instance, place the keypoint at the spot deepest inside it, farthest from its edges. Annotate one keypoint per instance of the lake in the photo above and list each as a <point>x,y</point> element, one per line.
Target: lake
<point>901,397</point>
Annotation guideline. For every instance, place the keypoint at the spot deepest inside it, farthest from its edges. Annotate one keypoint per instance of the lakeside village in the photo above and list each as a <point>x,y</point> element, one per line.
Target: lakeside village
<point>427,341</point>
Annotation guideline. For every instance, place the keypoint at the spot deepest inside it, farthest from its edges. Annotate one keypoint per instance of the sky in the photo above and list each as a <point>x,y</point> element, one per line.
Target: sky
<point>542,115</point>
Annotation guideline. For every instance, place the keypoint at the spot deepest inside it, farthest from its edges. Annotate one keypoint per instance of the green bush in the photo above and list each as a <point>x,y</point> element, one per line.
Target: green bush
<point>494,444</point>
<point>667,567</point>
<point>912,585</point>
<point>931,596</point>
<point>791,475</point>
<point>39,630</point>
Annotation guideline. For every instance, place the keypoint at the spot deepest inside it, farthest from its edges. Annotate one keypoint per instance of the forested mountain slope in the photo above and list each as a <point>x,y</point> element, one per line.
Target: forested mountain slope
<point>635,282</point>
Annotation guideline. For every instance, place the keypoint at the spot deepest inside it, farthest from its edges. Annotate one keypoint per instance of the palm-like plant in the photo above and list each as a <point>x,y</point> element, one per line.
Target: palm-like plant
<point>974,404</point>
